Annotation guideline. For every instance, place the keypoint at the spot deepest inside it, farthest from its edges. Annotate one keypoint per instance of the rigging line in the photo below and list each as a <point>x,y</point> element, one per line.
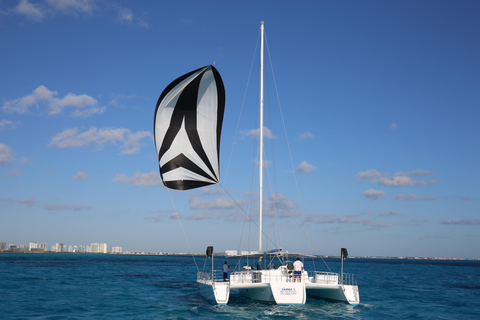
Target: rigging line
<point>273,157</point>
<point>178,218</point>
<point>249,205</point>
<point>273,201</point>
<point>249,217</point>
<point>243,104</point>
<point>250,202</point>
<point>234,47</point>
<point>290,154</point>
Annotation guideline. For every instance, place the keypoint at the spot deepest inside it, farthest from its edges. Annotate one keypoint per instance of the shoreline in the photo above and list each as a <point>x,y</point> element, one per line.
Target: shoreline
<point>226,256</point>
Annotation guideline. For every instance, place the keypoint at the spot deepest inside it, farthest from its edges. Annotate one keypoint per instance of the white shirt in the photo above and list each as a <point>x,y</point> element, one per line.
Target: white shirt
<point>298,265</point>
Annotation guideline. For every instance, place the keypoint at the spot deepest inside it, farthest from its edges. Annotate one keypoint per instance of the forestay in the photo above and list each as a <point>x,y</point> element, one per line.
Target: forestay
<point>187,127</point>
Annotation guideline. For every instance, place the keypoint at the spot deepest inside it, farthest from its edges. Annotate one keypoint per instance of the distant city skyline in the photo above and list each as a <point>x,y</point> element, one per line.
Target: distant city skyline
<point>60,247</point>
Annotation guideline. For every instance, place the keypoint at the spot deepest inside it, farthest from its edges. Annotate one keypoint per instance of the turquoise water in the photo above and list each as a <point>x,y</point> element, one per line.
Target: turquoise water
<point>68,286</point>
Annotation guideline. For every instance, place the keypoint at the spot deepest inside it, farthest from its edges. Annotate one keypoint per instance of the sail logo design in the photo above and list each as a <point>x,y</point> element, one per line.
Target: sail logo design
<point>187,126</point>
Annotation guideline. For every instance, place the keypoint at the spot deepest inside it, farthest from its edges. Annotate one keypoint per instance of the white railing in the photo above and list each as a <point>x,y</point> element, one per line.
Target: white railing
<point>261,276</point>
<point>279,275</point>
<point>349,279</point>
<point>333,278</point>
<point>207,276</point>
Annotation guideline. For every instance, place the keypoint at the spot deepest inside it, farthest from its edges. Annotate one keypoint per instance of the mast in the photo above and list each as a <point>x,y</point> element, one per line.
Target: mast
<point>261,143</point>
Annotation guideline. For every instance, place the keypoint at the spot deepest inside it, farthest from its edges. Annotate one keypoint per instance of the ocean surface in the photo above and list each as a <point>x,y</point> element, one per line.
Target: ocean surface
<point>86,286</point>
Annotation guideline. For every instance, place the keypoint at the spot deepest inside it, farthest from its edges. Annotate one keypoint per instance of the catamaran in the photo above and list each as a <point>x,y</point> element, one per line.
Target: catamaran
<point>187,126</point>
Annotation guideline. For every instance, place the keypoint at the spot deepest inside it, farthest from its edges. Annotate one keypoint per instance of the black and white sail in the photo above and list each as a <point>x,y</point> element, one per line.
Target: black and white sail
<point>187,128</point>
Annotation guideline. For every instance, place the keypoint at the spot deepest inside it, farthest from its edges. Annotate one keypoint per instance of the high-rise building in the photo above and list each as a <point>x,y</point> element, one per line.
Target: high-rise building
<point>37,247</point>
<point>102,247</point>
<point>3,246</point>
<point>98,248</point>
<point>59,247</point>
<point>116,249</point>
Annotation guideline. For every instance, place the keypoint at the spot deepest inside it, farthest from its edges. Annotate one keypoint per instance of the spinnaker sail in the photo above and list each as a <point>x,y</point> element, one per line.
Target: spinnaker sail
<point>187,129</point>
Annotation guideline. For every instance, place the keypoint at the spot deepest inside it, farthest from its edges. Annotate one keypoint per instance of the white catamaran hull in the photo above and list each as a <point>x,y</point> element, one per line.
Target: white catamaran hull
<point>277,286</point>
<point>334,292</point>
<point>218,292</point>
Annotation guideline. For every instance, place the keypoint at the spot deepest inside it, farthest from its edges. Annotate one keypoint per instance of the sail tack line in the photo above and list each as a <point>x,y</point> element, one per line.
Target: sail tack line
<point>183,230</point>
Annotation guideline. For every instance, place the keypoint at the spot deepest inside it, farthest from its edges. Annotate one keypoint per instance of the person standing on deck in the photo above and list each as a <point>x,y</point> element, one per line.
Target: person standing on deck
<point>225,271</point>
<point>297,270</point>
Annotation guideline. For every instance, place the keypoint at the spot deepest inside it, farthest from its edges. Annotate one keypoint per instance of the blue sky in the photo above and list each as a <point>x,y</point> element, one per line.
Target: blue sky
<point>380,101</point>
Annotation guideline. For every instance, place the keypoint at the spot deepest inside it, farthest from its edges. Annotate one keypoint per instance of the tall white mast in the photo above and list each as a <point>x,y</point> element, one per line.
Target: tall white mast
<point>261,144</point>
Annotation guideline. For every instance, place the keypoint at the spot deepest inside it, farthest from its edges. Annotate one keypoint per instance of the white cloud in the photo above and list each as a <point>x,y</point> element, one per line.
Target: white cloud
<point>415,173</point>
<point>281,206</point>
<point>142,23</point>
<point>57,207</point>
<point>6,155</point>
<point>85,113</point>
<point>255,133</point>
<point>372,173</point>
<point>15,172</point>
<point>213,191</point>
<point>41,96</point>
<point>125,15</point>
<point>328,218</point>
<point>305,167</point>
<point>200,216</point>
<point>7,124</point>
<point>25,161</point>
<point>156,218</point>
<point>393,126</point>
<point>399,179</point>
<point>139,179</point>
<point>266,163</point>
<point>29,202</point>
<point>384,224</point>
<point>40,10</point>
<point>414,197</point>
<point>307,135</point>
<point>465,222</point>
<point>72,138</point>
<point>132,145</point>
<point>373,194</point>
<point>73,6</point>
<point>218,203</point>
<point>389,213</point>
<point>29,10</point>
<point>80,176</point>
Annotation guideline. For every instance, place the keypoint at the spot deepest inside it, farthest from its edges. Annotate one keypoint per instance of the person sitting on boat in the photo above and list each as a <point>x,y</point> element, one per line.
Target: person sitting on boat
<point>225,271</point>
<point>297,270</point>
<point>271,265</point>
